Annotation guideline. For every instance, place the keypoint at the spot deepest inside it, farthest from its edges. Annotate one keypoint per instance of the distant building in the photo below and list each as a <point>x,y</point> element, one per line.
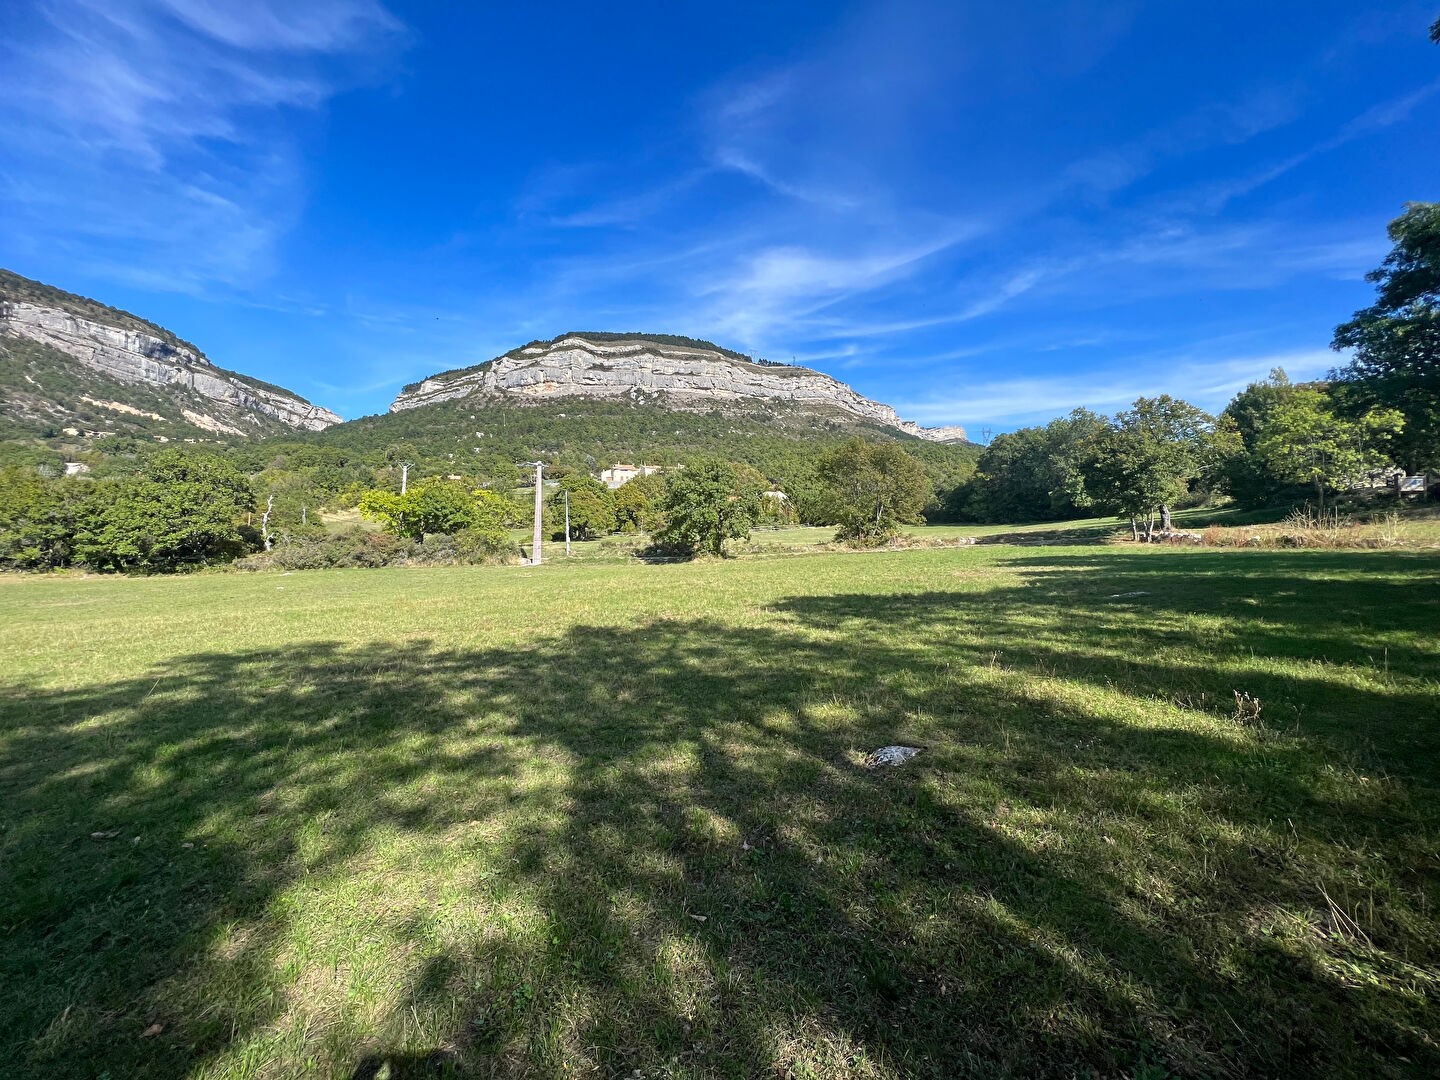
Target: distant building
<point>617,475</point>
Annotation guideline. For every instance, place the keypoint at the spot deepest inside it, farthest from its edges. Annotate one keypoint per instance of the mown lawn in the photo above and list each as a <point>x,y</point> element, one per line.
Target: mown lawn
<point>610,820</point>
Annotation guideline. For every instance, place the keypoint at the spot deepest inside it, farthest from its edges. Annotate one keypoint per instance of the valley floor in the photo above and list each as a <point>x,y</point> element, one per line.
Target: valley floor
<point>1411,527</point>
<point>1175,814</point>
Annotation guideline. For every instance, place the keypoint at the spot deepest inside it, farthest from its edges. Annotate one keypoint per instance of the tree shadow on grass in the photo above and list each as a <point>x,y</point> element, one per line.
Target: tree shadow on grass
<point>1299,625</point>
<point>653,848</point>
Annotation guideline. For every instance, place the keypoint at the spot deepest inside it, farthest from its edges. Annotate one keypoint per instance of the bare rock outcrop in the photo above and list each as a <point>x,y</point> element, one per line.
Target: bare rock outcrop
<point>687,376</point>
<point>133,356</point>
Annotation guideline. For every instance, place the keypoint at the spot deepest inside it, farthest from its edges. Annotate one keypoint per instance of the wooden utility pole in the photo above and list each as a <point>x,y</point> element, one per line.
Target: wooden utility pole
<point>539,510</point>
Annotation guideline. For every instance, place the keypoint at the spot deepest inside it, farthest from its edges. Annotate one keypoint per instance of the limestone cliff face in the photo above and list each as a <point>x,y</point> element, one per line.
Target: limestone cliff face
<point>688,377</point>
<point>133,356</point>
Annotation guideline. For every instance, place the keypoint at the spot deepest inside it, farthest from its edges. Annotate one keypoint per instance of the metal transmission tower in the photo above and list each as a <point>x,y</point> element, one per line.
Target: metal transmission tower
<point>985,436</point>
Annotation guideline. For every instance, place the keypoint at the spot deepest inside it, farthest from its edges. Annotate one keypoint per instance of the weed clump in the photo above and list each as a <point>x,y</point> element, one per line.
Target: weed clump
<point>1304,528</point>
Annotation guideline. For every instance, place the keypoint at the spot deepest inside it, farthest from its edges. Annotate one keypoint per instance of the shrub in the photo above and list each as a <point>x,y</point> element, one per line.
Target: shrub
<point>359,548</point>
<point>482,544</point>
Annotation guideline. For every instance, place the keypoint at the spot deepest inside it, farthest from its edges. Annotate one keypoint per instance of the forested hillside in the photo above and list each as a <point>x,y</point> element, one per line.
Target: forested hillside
<point>486,441</point>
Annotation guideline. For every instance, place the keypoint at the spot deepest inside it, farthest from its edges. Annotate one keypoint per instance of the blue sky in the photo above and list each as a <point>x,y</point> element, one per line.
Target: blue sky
<point>981,213</point>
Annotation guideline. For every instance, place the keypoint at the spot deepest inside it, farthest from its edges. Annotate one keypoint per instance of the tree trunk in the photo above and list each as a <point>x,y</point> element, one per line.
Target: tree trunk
<point>1164,519</point>
<point>1134,529</point>
<point>265,521</point>
<point>1320,495</point>
<point>1149,527</point>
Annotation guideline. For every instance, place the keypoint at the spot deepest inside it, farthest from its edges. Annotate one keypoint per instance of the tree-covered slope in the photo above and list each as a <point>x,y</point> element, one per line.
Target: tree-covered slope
<point>480,438</point>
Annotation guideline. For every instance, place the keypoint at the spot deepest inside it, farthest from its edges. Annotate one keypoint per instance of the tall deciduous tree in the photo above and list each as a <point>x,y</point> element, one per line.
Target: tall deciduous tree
<point>435,505</point>
<point>875,488</point>
<point>592,507</point>
<point>1152,454</point>
<point>1247,475</point>
<point>638,502</point>
<point>1036,473</point>
<point>1305,441</point>
<point>707,503</point>
<point>36,519</point>
<point>180,509</point>
<point>1396,341</point>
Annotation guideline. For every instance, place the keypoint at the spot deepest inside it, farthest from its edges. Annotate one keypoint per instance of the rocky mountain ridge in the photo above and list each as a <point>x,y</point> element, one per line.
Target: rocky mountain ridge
<point>696,376</point>
<point>58,332</point>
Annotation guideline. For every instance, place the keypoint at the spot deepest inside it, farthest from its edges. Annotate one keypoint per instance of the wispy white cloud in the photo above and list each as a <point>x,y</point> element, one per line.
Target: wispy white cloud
<point>1220,124</point>
<point>1213,197</point>
<point>155,137</point>
<point>805,191</point>
<point>775,290</point>
<point>1207,382</point>
<point>308,27</point>
<point>630,210</point>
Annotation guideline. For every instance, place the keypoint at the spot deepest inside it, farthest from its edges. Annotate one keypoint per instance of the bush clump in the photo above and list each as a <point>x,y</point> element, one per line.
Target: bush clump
<point>361,548</point>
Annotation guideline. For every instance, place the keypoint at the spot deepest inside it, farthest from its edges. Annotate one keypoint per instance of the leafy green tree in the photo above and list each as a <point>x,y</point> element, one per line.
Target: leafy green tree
<point>1151,455</point>
<point>874,488</point>
<point>707,503</point>
<point>36,519</point>
<point>1395,362</point>
<point>436,505</point>
<point>638,502</point>
<point>441,506</point>
<point>809,494</point>
<point>501,474</point>
<point>1247,475</point>
<point>182,508</point>
<point>497,510</point>
<point>1036,474</point>
<point>592,507</point>
<point>389,508</point>
<point>1305,440</point>
<point>294,501</point>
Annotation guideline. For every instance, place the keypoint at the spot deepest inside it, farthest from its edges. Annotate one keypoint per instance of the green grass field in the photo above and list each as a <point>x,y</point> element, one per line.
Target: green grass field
<point>1414,526</point>
<point>610,819</point>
